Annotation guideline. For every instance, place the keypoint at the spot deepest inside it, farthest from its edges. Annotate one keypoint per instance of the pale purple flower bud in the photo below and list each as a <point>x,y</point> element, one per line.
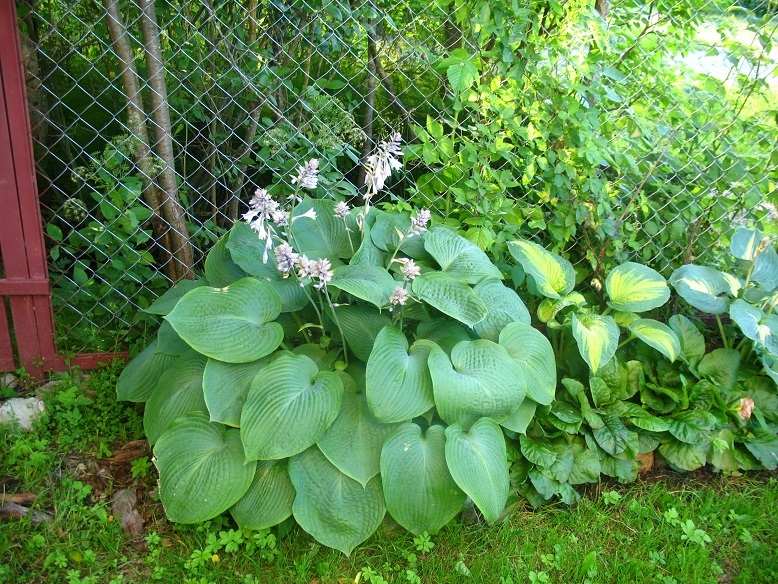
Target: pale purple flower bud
<point>341,210</point>
<point>409,268</point>
<point>308,175</point>
<point>322,270</point>
<point>280,217</point>
<point>399,296</point>
<point>304,267</point>
<point>419,223</point>
<point>285,258</point>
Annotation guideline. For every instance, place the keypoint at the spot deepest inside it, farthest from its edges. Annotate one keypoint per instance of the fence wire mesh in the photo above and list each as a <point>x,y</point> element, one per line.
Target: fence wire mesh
<point>609,131</point>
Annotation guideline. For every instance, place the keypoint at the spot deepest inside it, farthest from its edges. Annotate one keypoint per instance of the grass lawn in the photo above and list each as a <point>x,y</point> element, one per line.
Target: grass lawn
<point>664,528</point>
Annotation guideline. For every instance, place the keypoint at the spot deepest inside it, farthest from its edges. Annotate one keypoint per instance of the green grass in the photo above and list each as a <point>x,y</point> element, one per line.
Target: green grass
<point>670,528</point>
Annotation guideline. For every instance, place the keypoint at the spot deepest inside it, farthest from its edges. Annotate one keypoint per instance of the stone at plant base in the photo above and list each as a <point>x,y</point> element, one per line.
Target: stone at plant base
<point>22,412</point>
<point>9,380</point>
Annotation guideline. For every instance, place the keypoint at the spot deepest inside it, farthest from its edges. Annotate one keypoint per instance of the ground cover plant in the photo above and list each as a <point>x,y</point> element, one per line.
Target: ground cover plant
<point>654,530</point>
<point>336,365</point>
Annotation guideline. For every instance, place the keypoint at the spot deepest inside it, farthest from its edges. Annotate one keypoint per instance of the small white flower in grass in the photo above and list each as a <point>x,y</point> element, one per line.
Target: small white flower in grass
<point>286,259</point>
<point>409,268</point>
<point>419,223</point>
<point>341,210</point>
<point>399,297</point>
<point>308,175</point>
<point>322,270</point>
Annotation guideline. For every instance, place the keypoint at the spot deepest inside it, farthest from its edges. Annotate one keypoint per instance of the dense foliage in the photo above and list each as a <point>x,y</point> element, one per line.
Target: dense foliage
<point>336,364</point>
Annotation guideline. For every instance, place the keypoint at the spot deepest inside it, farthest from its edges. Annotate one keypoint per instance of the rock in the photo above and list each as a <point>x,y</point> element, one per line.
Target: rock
<point>124,508</point>
<point>47,388</point>
<point>22,412</point>
<point>17,513</point>
<point>9,380</point>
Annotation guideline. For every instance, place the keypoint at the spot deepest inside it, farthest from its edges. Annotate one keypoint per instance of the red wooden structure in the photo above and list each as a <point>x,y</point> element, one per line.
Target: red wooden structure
<point>24,285</point>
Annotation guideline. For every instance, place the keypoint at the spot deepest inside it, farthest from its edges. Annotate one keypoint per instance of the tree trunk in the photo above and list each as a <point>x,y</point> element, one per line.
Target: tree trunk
<point>136,122</point>
<point>174,213</point>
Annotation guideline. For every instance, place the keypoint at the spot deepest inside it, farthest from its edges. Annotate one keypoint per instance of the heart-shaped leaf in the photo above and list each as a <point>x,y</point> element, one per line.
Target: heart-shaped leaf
<point>323,237</point>
<point>225,387</point>
<point>705,288</point>
<point>353,442</point>
<point>531,349</point>
<point>140,376</point>
<point>268,500</point>
<point>386,231</point>
<point>613,437</point>
<point>636,288</point>
<point>165,303</point>
<point>361,325</point>
<point>450,296</point>
<point>745,244</point>
<point>480,380</point>
<point>335,509</point>
<point>232,324</point>
<point>657,335</point>
<point>721,367</point>
<point>765,271</point>
<point>756,325</point>
<point>520,419</point>
<point>458,257</point>
<point>597,338</point>
<point>503,307</point>
<point>538,451</point>
<point>554,276</point>
<point>369,283</point>
<point>420,493</point>
<point>692,341</point>
<point>399,385</point>
<point>289,407</point>
<point>179,391</point>
<point>447,334</point>
<point>220,270</point>
<point>247,251</point>
<point>202,471</point>
<point>477,462</point>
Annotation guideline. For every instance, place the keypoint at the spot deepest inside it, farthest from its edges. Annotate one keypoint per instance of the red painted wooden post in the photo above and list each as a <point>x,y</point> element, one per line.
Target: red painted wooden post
<point>21,232</point>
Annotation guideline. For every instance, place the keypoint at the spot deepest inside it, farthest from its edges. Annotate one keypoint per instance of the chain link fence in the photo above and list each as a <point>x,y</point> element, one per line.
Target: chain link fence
<point>609,131</point>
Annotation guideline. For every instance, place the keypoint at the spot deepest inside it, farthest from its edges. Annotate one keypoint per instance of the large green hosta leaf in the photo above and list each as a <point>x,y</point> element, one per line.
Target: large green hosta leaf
<point>232,324</point>
<point>477,461</point>
<point>268,500</point>
<point>531,349</point>
<point>323,237</point>
<point>765,271</point>
<point>369,283</point>
<point>335,509</point>
<point>692,341</point>
<point>554,276</point>
<point>385,234</point>
<point>480,380</point>
<point>755,324</point>
<point>361,325</point>
<point>503,307</point>
<point>597,338</point>
<point>140,376</point>
<point>399,385</point>
<point>657,335</point>
<point>353,442</point>
<point>225,387</point>
<point>445,333</point>
<point>521,418</point>
<point>705,288</point>
<point>165,303</point>
<point>179,391</point>
<point>420,493</point>
<point>458,257</point>
<point>289,407</point>
<point>636,288</point>
<point>450,296</point>
<point>745,244</point>
<point>247,252</point>
<point>220,270</point>
<point>202,471</point>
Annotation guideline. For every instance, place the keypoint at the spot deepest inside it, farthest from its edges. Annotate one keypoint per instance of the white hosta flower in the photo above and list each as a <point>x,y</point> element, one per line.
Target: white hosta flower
<point>341,210</point>
<point>399,297</point>
<point>419,223</point>
<point>310,213</point>
<point>286,259</point>
<point>308,175</point>
<point>280,217</point>
<point>322,270</point>
<point>409,268</point>
<point>304,267</point>
<point>381,163</point>
<point>261,209</point>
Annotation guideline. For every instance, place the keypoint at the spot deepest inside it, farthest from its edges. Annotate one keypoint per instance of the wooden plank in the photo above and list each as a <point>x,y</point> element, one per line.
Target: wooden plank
<point>7,362</point>
<point>24,288</point>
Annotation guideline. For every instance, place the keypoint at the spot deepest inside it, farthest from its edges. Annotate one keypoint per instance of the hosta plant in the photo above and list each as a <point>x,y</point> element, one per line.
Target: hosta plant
<point>334,365</point>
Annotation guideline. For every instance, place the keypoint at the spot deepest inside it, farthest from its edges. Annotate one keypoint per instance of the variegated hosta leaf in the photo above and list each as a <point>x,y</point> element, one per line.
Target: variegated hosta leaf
<point>636,288</point>
<point>597,338</point>
<point>705,288</point>
<point>370,283</point>
<point>477,461</point>
<point>503,306</point>
<point>692,341</point>
<point>202,471</point>
<point>480,380</point>
<point>745,244</point>
<point>179,391</point>
<point>420,493</point>
<point>657,335</point>
<point>399,385</point>
<point>335,509</point>
<point>232,324</point>
<point>353,442</point>
<point>458,257</point>
<point>550,307</point>
<point>289,407</point>
<point>554,276</point>
<point>450,296</point>
<point>531,349</point>
<point>268,500</point>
